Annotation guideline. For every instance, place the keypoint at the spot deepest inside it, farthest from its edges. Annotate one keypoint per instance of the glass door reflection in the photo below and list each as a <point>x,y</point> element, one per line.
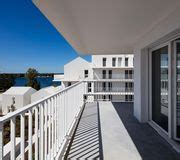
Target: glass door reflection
<point>160,87</point>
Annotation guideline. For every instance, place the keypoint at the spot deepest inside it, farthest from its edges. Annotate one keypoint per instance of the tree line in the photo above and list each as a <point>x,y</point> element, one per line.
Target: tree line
<point>7,80</point>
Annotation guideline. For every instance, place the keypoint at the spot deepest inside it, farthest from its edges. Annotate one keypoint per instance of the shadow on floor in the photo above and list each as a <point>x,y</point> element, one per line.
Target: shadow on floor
<point>149,143</point>
<point>87,143</point>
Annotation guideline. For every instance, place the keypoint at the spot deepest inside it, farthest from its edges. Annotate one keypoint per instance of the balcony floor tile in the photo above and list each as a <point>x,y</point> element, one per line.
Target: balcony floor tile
<point>110,131</point>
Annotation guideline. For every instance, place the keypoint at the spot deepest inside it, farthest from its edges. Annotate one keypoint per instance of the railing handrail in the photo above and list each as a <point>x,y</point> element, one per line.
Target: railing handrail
<point>29,106</point>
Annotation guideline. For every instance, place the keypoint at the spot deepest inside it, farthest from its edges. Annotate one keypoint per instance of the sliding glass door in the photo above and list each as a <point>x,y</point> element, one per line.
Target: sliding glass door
<point>177,55</point>
<point>160,87</point>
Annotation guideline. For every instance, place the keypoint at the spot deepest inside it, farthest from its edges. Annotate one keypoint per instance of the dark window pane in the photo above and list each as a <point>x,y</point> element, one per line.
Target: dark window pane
<point>160,87</point>
<point>104,62</point>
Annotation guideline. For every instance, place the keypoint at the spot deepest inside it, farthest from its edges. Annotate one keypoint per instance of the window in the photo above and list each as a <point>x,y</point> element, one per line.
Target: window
<point>104,86</point>
<point>89,87</point>
<point>104,97</point>
<point>110,86</point>
<point>128,98</point>
<point>85,73</point>
<point>104,62</point>
<point>113,61</point>
<point>110,97</point>
<point>126,87</point>
<point>110,74</point>
<point>126,74</point>
<point>130,74</point>
<point>104,74</point>
<point>126,61</point>
<point>119,62</point>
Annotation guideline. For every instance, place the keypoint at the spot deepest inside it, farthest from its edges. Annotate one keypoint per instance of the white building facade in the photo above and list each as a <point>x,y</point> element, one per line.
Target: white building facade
<point>112,78</point>
<point>74,71</point>
<point>108,77</point>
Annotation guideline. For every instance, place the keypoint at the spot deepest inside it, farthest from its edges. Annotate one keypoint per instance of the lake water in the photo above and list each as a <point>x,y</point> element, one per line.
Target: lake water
<point>44,81</point>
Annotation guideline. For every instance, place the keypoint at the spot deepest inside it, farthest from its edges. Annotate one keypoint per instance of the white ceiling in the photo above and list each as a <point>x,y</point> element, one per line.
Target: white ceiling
<point>105,26</point>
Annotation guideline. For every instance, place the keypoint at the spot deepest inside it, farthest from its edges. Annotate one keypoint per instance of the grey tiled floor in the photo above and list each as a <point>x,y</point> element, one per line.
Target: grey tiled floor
<point>150,145</point>
<point>87,143</point>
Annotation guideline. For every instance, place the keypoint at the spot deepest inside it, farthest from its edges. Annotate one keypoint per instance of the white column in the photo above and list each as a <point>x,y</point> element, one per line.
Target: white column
<point>141,79</point>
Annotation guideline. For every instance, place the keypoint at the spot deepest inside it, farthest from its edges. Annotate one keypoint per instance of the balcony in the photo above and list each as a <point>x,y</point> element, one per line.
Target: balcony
<point>114,89</point>
<point>109,131</point>
<point>63,126</point>
<point>114,77</point>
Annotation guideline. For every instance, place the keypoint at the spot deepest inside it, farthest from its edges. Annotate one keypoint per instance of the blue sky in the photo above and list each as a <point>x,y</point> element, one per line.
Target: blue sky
<point>28,39</point>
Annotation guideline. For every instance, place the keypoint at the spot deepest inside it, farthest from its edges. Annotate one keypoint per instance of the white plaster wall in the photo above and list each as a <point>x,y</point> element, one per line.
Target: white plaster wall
<point>7,101</point>
<point>20,100</point>
<point>74,70</point>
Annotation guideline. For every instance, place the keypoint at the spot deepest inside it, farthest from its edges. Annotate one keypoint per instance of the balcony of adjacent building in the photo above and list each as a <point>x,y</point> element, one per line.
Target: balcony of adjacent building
<point>65,126</point>
<point>108,75</point>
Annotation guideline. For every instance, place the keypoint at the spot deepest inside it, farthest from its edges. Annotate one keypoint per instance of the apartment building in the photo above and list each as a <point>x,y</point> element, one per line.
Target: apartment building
<point>112,77</point>
<point>108,77</point>
<point>150,30</point>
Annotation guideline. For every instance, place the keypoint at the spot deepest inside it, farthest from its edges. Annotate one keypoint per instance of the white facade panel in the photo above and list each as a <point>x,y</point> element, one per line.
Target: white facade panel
<point>21,95</point>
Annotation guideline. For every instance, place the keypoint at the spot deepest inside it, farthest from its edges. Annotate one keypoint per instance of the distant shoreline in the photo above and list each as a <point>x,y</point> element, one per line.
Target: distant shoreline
<point>16,75</point>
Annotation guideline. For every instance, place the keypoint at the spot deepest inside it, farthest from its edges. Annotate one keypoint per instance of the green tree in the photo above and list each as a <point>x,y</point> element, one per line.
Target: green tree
<point>6,81</point>
<point>31,76</point>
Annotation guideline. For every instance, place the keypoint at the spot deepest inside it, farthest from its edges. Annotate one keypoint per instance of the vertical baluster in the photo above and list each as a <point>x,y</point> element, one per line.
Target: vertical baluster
<point>45,130</point>
<point>60,120</point>
<point>1,141</point>
<point>58,106</point>
<point>49,128</point>
<point>55,114</point>
<point>41,131</point>
<point>36,134</point>
<point>57,123</point>
<point>65,112</point>
<point>52,112</point>
<point>22,136</point>
<point>13,138</point>
<point>30,135</point>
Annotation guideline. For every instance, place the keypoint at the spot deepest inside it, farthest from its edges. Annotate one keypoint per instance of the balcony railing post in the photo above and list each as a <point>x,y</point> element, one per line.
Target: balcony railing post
<point>41,131</point>
<point>49,128</point>
<point>55,119</point>
<point>52,130</point>
<point>1,141</point>
<point>36,134</point>
<point>45,130</point>
<point>13,137</point>
<point>22,135</point>
<point>30,135</point>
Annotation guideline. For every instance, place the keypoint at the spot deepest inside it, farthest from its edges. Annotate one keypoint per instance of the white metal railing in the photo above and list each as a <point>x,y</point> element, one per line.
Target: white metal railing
<point>113,89</point>
<point>43,126</point>
<point>114,76</point>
